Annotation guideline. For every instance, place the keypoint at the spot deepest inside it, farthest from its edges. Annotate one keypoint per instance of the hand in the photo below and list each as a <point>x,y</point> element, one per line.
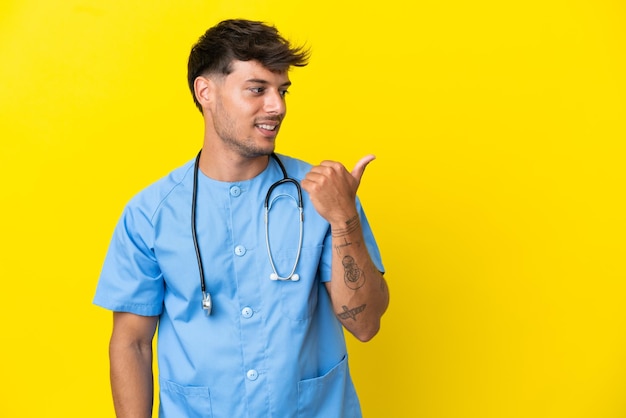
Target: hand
<point>332,189</point>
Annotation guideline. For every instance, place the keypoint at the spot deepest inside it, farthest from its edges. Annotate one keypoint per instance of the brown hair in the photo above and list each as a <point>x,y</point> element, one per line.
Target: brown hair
<point>242,40</point>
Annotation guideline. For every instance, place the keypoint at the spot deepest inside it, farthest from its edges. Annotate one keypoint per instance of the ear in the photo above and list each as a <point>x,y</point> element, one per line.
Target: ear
<point>203,89</point>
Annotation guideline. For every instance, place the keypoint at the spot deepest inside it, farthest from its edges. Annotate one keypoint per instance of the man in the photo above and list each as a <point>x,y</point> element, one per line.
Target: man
<point>276,292</point>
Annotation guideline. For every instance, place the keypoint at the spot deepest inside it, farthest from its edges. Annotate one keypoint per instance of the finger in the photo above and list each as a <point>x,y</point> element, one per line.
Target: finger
<point>359,168</point>
<point>313,179</point>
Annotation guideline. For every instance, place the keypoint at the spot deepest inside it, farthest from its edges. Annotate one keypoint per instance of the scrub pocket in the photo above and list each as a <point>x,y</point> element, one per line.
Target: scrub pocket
<point>298,299</point>
<point>329,396</point>
<point>184,401</point>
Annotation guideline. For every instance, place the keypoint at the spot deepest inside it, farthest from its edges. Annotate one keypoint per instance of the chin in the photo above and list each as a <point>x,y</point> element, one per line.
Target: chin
<point>258,152</point>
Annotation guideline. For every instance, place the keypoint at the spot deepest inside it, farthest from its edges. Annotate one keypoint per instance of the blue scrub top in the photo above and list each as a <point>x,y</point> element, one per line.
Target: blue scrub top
<point>269,348</point>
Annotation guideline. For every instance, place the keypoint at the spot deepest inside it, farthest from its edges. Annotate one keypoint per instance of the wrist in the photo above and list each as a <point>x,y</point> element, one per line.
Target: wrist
<point>345,227</point>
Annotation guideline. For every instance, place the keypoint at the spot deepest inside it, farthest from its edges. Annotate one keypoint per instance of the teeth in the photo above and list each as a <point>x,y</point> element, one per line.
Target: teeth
<point>268,127</point>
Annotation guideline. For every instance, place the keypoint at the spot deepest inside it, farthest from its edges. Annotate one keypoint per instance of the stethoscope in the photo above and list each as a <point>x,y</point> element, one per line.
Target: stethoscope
<point>207,303</point>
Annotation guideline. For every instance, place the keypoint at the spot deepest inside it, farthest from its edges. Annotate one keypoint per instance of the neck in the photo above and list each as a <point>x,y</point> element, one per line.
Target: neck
<point>229,166</point>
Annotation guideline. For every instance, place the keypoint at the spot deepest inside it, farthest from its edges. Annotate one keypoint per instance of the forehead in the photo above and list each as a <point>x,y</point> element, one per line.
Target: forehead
<point>243,71</point>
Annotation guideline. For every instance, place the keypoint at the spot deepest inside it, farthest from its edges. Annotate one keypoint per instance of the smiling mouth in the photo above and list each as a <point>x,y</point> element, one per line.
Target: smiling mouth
<point>267,127</point>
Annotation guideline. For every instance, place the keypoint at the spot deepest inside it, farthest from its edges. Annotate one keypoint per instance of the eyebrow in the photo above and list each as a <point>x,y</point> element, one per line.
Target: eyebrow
<point>261,81</point>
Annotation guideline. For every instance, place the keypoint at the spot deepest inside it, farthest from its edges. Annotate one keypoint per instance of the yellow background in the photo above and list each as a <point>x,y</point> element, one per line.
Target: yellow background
<point>497,196</point>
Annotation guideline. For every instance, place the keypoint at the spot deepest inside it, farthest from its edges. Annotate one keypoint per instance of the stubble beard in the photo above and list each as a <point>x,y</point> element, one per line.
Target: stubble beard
<point>245,147</point>
<point>226,130</point>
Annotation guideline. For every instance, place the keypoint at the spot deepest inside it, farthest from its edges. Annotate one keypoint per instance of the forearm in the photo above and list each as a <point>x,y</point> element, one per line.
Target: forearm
<point>131,380</point>
<point>130,353</point>
<point>358,290</point>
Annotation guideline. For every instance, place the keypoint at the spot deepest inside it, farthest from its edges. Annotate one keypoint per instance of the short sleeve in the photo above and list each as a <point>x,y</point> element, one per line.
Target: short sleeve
<point>131,280</point>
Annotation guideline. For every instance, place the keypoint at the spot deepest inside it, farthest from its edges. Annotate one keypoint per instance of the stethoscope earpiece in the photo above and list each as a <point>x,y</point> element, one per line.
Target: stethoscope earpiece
<point>294,277</point>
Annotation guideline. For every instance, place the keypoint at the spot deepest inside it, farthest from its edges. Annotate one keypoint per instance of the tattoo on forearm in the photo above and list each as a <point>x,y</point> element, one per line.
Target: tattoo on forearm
<point>353,275</point>
<point>351,313</point>
<point>352,225</point>
<point>345,244</point>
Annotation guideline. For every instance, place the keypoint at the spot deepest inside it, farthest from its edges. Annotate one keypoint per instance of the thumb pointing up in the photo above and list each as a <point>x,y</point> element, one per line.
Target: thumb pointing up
<point>359,168</point>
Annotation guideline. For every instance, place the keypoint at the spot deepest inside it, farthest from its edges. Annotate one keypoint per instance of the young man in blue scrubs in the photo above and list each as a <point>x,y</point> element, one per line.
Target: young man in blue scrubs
<point>272,343</point>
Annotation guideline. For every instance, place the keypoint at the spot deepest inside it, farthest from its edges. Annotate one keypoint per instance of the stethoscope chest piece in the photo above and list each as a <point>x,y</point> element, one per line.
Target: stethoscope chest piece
<point>207,303</point>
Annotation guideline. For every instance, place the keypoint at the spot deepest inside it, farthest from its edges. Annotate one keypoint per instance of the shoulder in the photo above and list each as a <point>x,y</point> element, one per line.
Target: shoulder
<point>150,199</point>
<point>295,167</point>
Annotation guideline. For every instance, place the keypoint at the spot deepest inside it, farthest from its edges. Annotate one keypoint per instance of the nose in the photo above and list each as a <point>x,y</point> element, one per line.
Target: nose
<point>275,103</point>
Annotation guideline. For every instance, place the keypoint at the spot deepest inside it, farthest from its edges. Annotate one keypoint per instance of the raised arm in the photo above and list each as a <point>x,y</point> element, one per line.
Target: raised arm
<point>130,353</point>
<point>358,291</point>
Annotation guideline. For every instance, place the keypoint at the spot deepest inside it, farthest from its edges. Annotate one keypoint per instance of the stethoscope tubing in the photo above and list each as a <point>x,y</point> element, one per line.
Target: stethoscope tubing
<point>207,303</point>
<point>206,298</point>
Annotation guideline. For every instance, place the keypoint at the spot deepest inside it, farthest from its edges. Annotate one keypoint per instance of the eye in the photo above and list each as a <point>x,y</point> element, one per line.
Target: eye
<point>283,93</point>
<point>257,90</point>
